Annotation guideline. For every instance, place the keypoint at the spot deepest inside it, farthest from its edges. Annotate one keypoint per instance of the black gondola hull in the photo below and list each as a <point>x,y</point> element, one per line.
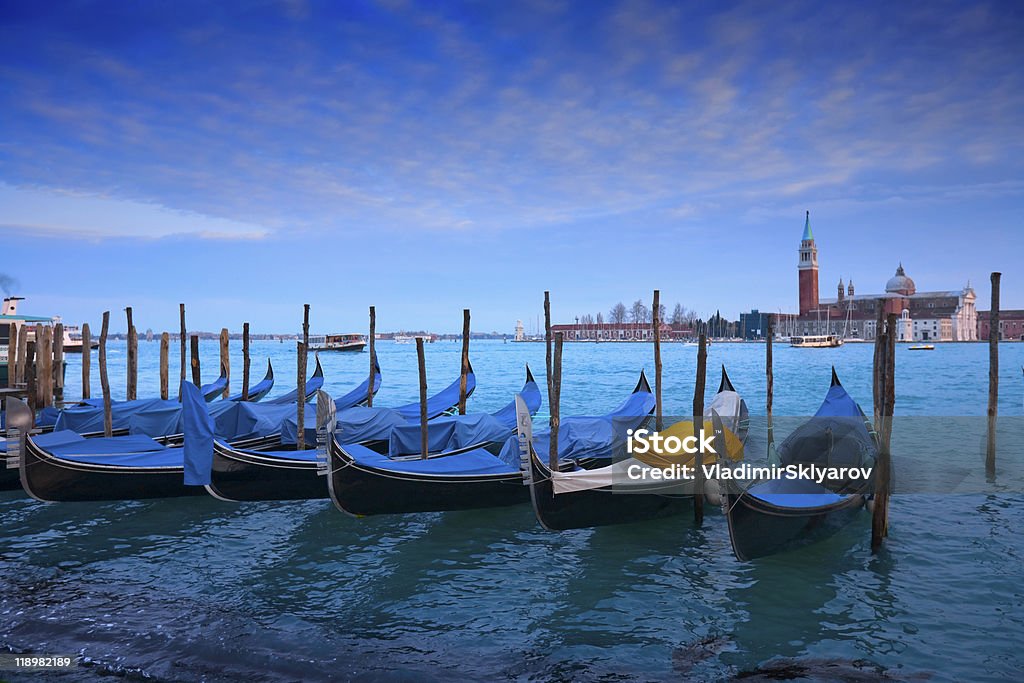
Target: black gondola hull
<point>360,491</point>
<point>244,477</point>
<point>759,529</point>
<point>47,478</point>
<point>596,507</point>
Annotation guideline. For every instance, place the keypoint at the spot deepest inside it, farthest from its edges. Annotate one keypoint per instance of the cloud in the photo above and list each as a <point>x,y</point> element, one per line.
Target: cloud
<point>74,214</point>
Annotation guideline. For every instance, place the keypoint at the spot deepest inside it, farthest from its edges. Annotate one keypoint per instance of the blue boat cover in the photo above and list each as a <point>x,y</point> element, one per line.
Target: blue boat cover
<point>794,493</point>
<point>123,451</point>
<point>592,437</point>
<point>88,416</point>
<point>50,439</point>
<point>198,431</point>
<point>47,417</point>
<point>447,434</point>
<point>838,403</point>
<point>531,395</point>
<point>356,425</point>
<point>441,401</point>
<point>474,462</point>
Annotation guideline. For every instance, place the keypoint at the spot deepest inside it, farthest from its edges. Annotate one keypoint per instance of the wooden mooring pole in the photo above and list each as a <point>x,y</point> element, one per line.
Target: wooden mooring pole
<point>86,359</point>
<point>769,378</point>
<point>58,364</point>
<point>44,361</point>
<point>165,352</point>
<point>23,357</point>
<point>225,360</point>
<point>659,422</point>
<point>373,356</point>
<point>993,378</point>
<point>421,363</point>
<point>197,377</point>
<point>300,396</point>
<point>31,390</point>
<point>555,398</point>
<point>303,351</point>
<point>885,375</point>
<point>12,354</point>
<point>183,335</point>
<point>245,361</point>
<point>464,377</point>
<point>132,358</point>
<point>698,424</point>
<point>108,419</point>
<point>547,339</point>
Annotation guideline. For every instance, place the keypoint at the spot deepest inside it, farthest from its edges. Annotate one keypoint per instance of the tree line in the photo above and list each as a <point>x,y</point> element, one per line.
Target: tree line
<point>639,312</point>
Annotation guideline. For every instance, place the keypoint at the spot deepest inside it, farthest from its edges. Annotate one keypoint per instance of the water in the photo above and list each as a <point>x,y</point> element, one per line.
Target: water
<point>196,589</point>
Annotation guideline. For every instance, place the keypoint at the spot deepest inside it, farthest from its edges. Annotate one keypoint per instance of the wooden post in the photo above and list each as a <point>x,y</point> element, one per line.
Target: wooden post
<point>58,364</point>
<point>464,378</point>
<point>555,398</point>
<point>12,354</point>
<point>993,378</point>
<point>86,360</point>
<point>878,379</point>
<point>300,397</point>
<point>659,422</point>
<point>23,358</point>
<point>108,418</point>
<point>31,390</point>
<point>698,424</point>
<point>547,339</point>
<point>886,373</point>
<point>183,335</point>
<point>165,352</point>
<point>421,361</point>
<point>769,371</point>
<point>225,360</point>
<point>305,326</point>
<point>197,378</point>
<point>132,358</point>
<point>245,361</point>
<point>44,365</point>
<point>373,356</point>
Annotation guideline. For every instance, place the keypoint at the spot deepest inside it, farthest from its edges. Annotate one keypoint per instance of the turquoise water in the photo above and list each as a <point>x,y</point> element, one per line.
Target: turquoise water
<point>203,590</point>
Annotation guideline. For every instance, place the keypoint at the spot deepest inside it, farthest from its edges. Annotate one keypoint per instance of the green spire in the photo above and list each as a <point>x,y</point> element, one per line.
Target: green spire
<point>807,228</point>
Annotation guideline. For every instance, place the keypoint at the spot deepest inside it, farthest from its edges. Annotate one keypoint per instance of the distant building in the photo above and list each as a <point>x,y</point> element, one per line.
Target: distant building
<point>520,335</point>
<point>753,325</point>
<point>608,332</point>
<point>1011,325</point>
<point>945,315</point>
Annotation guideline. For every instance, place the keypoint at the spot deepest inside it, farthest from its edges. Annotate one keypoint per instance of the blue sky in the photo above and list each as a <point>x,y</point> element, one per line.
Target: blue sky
<point>425,157</point>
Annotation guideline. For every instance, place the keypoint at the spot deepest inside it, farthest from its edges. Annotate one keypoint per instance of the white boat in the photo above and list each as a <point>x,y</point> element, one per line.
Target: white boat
<point>922,347</point>
<point>816,341</point>
<point>337,342</point>
<point>410,338</point>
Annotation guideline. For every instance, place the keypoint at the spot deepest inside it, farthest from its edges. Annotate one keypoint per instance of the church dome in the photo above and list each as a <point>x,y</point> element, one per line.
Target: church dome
<point>900,283</point>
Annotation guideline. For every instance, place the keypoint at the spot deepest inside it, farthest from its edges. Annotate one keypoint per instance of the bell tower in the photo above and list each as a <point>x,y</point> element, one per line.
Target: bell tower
<point>807,269</point>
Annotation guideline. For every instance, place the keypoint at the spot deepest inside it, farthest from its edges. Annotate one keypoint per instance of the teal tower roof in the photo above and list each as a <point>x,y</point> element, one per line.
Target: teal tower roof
<point>807,228</point>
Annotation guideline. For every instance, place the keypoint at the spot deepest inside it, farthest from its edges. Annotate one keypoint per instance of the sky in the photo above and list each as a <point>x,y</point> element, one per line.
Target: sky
<point>246,158</point>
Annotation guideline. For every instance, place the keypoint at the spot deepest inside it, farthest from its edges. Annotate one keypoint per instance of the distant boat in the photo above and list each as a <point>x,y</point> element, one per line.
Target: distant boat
<point>922,347</point>
<point>816,341</point>
<point>410,338</point>
<point>338,342</point>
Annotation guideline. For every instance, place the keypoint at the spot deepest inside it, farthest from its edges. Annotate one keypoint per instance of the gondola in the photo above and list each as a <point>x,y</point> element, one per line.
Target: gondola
<point>240,474</point>
<point>363,482</point>
<point>260,389</point>
<point>66,466</point>
<point>581,495</point>
<point>782,514</point>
